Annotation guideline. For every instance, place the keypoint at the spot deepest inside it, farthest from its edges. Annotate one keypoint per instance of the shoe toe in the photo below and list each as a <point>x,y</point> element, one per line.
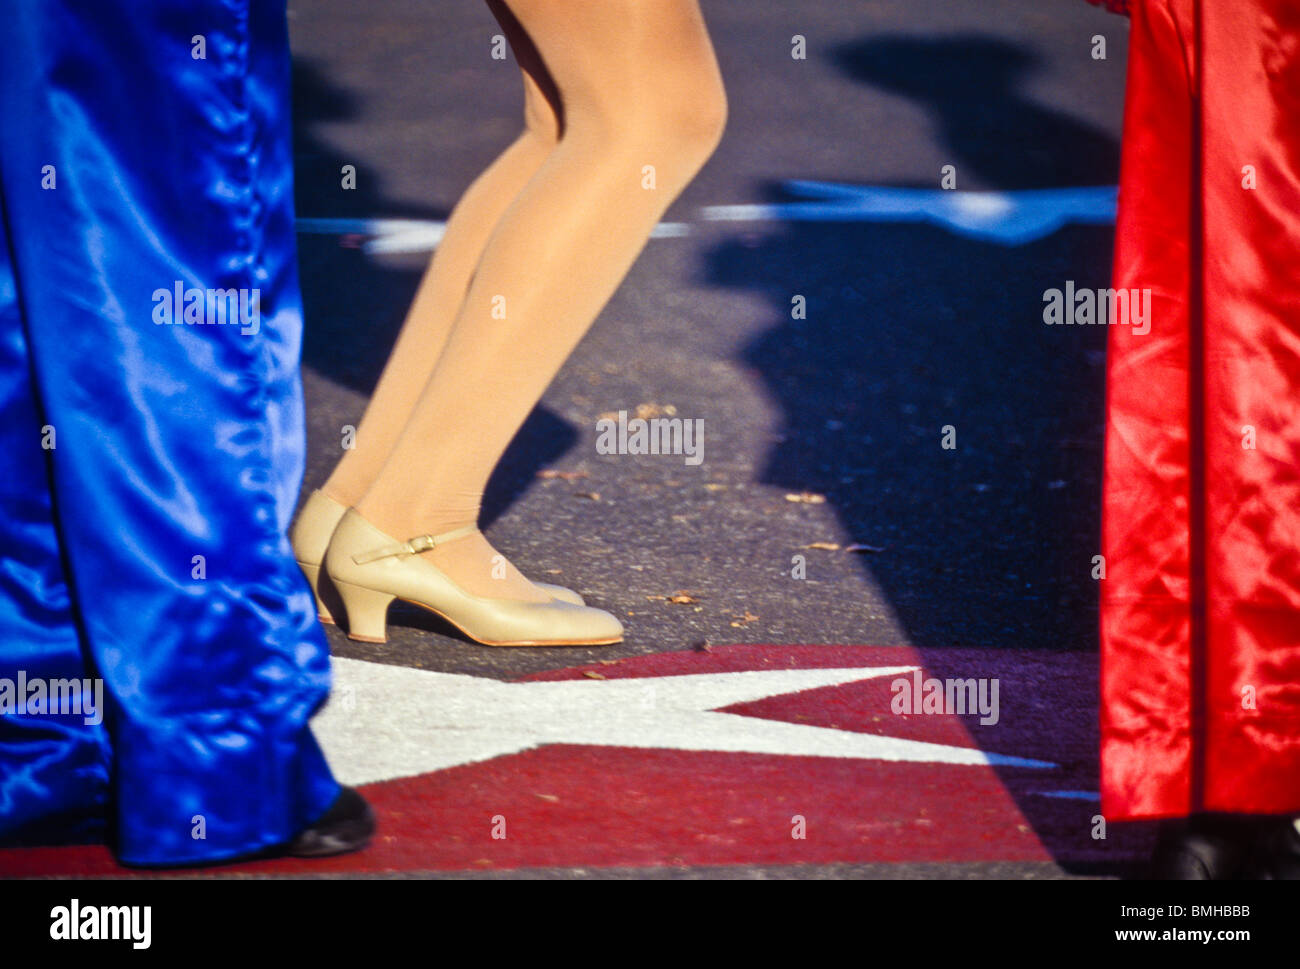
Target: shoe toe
<point>347,826</point>
<point>561,593</point>
<point>603,625</point>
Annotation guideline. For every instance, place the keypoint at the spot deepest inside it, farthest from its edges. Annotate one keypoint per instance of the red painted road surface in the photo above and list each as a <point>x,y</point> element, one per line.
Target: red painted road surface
<point>566,806</point>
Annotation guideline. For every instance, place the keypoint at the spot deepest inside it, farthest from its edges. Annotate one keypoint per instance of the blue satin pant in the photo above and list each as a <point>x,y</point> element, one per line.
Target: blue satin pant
<point>151,445</point>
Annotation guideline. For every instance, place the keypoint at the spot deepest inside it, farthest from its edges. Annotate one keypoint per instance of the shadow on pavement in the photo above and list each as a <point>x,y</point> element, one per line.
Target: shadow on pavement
<point>911,329</point>
<point>971,86</point>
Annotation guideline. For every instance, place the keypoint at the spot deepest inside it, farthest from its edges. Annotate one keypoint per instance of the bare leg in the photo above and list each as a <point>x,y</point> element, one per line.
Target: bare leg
<point>643,108</point>
<point>442,290</point>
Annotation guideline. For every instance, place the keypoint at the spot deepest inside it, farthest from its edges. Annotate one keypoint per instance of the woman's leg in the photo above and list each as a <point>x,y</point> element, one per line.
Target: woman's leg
<point>442,290</point>
<point>643,108</point>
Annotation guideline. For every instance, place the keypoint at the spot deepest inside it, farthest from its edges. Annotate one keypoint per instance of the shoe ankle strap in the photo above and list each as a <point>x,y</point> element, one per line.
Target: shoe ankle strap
<point>421,543</point>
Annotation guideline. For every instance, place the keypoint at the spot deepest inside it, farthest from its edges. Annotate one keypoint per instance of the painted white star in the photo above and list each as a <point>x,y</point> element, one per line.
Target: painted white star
<point>392,721</point>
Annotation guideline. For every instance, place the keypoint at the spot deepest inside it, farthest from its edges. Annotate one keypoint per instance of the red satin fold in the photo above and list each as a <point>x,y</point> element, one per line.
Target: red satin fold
<point>1200,613</point>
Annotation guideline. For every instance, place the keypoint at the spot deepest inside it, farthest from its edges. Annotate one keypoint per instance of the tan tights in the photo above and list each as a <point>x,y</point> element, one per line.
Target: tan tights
<point>623,105</point>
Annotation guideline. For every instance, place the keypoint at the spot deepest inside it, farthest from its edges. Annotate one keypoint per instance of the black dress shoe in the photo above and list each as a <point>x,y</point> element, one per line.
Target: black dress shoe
<point>346,826</point>
<point>1206,847</point>
<point>1278,853</point>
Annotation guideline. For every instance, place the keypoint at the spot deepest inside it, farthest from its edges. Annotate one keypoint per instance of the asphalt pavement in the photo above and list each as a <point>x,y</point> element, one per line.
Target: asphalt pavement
<point>821,435</point>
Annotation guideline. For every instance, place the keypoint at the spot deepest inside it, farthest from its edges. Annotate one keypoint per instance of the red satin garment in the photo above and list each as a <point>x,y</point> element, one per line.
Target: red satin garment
<point>1200,614</point>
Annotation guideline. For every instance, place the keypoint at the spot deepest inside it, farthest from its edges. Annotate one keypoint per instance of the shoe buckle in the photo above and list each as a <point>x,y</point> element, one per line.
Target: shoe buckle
<point>421,543</point>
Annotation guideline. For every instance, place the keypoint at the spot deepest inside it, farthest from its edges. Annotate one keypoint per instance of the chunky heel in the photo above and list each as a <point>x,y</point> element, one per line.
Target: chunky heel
<point>367,612</point>
<point>312,572</point>
<point>310,537</point>
<point>370,569</point>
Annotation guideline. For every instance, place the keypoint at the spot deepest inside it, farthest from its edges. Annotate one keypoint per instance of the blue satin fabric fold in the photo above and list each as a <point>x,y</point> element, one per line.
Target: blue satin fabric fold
<point>147,545</point>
